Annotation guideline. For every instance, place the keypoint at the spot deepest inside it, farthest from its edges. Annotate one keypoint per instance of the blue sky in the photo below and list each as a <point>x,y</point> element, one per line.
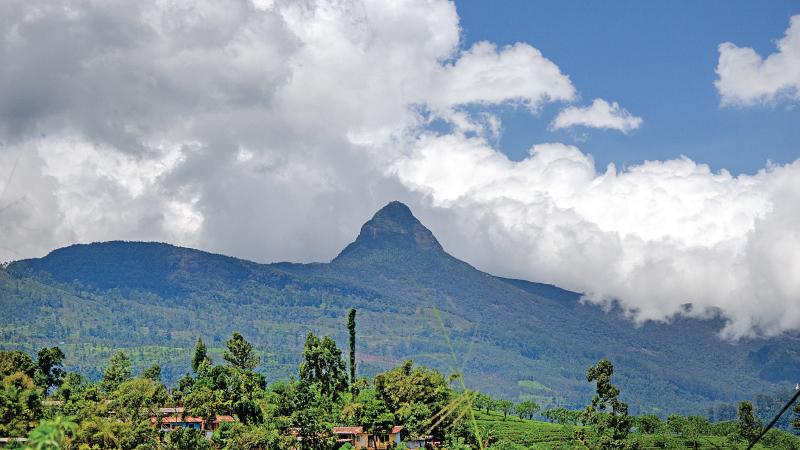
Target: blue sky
<point>656,59</point>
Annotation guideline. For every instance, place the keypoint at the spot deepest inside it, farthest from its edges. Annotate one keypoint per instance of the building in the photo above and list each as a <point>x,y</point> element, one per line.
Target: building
<point>360,439</point>
<point>170,423</point>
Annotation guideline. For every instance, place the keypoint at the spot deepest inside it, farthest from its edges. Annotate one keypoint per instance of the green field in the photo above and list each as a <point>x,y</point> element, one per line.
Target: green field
<point>533,434</point>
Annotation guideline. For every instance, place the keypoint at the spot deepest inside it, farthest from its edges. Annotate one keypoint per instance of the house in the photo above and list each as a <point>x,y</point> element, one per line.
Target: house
<point>170,423</point>
<point>360,439</point>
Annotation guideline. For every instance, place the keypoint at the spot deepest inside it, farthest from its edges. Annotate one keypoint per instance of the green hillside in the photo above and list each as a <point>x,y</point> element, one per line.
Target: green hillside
<point>515,339</point>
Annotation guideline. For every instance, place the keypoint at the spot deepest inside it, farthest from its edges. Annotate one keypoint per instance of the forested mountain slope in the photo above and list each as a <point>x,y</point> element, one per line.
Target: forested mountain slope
<point>513,338</point>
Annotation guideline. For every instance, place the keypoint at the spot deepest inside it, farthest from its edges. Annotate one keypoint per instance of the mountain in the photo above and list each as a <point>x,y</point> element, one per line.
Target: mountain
<point>513,338</point>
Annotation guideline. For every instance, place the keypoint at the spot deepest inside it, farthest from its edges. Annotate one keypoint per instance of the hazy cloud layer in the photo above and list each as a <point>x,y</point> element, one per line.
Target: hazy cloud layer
<point>272,130</point>
<point>746,78</point>
<point>600,114</point>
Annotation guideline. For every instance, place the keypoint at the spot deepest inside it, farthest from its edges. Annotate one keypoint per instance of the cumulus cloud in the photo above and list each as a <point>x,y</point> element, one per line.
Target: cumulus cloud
<point>271,130</point>
<point>746,78</point>
<point>600,114</point>
<point>653,237</point>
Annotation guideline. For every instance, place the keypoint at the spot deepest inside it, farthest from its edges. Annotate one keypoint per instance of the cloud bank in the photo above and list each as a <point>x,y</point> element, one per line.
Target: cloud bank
<point>746,78</point>
<point>600,114</point>
<point>272,130</point>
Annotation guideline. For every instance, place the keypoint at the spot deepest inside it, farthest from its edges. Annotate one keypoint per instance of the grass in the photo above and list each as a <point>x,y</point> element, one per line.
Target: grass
<point>537,435</point>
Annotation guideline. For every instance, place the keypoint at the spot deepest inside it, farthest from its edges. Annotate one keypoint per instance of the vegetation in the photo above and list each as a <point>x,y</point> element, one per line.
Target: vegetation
<point>122,411</point>
<point>153,300</point>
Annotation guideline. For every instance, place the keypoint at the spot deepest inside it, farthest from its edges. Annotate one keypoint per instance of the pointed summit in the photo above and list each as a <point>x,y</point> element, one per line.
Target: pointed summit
<point>393,227</point>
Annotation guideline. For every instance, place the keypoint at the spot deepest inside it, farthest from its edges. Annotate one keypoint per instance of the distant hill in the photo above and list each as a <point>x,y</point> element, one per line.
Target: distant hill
<point>514,338</point>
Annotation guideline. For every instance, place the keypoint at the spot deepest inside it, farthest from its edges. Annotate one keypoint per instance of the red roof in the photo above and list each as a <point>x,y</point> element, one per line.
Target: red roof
<point>359,430</point>
<point>190,419</point>
<point>348,430</point>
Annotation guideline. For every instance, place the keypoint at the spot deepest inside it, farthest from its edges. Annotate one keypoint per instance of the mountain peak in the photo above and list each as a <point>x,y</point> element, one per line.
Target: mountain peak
<point>393,227</point>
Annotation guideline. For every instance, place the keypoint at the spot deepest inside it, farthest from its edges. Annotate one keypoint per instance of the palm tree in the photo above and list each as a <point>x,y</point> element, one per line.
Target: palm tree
<point>52,434</point>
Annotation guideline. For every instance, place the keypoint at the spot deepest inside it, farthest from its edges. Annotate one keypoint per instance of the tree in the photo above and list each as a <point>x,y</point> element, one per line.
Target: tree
<point>49,368</point>
<point>526,409</point>
<point>351,329</point>
<point>13,361</point>
<point>649,424</point>
<point>52,434</point>
<point>407,384</point>
<point>607,415</point>
<point>200,355</point>
<point>134,397</point>
<point>204,402</point>
<point>117,372</point>
<point>506,406</point>
<point>186,439</point>
<point>153,373</point>
<point>483,401</point>
<point>562,416</point>
<point>748,427</point>
<point>240,353</point>
<point>323,366</point>
<point>20,405</point>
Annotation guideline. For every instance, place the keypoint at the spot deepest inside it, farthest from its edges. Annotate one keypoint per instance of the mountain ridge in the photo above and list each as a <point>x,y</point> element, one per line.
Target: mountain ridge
<point>156,298</point>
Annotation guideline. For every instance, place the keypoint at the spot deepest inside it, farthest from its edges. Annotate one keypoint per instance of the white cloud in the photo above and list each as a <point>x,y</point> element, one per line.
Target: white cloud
<point>745,78</point>
<point>600,114</point>
<point>654,236</point>
<point>272,131</point>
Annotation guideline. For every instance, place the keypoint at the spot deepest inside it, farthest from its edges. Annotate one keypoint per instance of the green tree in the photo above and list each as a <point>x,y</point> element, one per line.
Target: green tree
<point>606,415</point>
<point>483,402</point>
<point>13,361</point>
<point>240,353</point>
<point>526,409</point>
<point>323,366</point>
<point>117,372</point>
<point>505,406</point>
<point>649,424</point>
<point>694,428</point>
<point>351,330</point>
<point>20,405</point>
<point>748,427</point>
<point>407,384</point>
<point>376,418</point>
<point>133,398</point>
<point>153,373</point>
<point>562,416</point>
<point>200,355</point>
<point>186,439</point>
<point>204,402</point>
<point>49,368</point>
<point>52,434</point>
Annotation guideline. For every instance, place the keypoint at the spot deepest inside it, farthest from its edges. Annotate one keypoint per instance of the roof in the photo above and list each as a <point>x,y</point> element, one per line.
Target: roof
<point>359,430</point>
<point>348,430</point>
<point>191,419</point>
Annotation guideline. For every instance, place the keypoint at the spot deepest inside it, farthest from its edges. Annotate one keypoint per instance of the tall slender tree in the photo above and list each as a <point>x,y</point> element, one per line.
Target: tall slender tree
<point>200,355</point>
<point>351,328</point>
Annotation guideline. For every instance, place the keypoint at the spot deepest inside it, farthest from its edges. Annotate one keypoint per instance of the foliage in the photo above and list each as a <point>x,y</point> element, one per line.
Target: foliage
<point>153,373</point>
<point>52,434</point>
<point>49,368</point>
<point>153,300</point>
<point>323,366</point>
<point>240,353</point>
<point>117,372</point>
<point>186,439</point>
<point>351,331</point>
<point>20,405</point>
<point>607,415</point>
<point>526,409</point>
<point>200,356</point>
<point>748,427</point>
